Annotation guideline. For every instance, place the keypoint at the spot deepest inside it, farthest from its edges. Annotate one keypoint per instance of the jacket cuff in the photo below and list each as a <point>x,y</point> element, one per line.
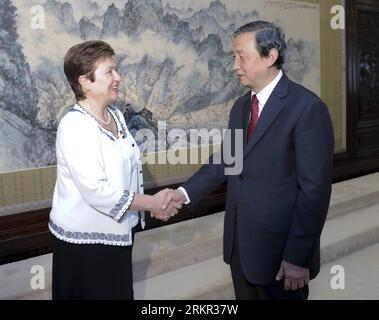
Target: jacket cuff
<point>119,210</point>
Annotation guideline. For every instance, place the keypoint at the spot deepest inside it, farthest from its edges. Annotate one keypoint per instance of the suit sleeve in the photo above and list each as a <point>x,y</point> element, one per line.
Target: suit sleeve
<point>314,146</point>
<point>212,174</point>
<point>204,181</point>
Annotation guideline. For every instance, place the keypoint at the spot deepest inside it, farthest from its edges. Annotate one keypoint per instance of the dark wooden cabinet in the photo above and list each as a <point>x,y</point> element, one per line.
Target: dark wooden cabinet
<point>362,81</point>
<point>367,63</point>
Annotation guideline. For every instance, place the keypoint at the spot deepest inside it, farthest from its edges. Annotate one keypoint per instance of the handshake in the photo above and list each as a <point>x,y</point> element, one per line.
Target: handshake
<point>167,203</point>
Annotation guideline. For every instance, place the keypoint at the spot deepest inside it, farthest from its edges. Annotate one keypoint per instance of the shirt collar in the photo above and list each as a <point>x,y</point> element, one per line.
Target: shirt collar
<point>265,93</point>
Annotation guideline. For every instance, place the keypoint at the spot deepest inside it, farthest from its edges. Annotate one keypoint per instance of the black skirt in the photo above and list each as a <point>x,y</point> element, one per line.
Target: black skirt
<point>91,271</point>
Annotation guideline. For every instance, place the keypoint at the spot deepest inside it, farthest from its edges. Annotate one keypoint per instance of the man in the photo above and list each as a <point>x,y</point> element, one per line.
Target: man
<point>277,206</point>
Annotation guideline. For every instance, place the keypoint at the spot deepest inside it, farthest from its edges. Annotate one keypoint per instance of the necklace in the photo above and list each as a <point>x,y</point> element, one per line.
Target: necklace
<point>98,118</point>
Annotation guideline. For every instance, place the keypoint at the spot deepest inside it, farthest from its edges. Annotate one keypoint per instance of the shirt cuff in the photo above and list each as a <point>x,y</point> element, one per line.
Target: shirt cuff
<point>185,194</point>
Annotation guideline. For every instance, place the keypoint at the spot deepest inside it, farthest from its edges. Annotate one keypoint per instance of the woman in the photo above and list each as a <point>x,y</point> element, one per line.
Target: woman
<point>98,196</point>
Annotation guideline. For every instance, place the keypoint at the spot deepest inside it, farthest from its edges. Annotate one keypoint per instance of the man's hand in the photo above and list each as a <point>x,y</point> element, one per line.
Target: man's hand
<point>295,277</point>
<point>167,204</point>
<point>178,196</point>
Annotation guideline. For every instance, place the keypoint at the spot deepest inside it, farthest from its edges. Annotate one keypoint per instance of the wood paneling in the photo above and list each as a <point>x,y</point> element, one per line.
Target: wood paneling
<point>362,83</point>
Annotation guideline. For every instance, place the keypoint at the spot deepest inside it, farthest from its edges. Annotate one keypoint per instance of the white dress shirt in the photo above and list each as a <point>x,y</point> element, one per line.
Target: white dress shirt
<point>265,93</point>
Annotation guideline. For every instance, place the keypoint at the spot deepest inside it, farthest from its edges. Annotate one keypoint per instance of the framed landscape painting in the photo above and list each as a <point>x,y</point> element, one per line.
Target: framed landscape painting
<point>175,61</point>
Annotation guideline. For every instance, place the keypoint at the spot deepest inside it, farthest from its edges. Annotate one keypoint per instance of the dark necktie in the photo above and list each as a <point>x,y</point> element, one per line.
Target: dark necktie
<point>253,116</point>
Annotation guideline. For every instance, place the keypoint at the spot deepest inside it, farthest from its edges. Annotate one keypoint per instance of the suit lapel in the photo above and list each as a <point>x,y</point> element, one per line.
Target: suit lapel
<point>270,112</point>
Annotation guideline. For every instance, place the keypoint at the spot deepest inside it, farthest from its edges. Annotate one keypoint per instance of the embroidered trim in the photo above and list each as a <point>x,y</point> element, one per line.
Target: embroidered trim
<point>88,237</point>
<point>122,128</point>
<point>122,206</point>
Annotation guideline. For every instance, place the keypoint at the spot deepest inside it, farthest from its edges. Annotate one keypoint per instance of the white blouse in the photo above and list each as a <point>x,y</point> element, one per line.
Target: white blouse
<point>97,177</point>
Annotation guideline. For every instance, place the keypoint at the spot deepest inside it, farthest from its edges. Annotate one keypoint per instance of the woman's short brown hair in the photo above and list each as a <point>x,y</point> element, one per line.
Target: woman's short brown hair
<point>82,59</point>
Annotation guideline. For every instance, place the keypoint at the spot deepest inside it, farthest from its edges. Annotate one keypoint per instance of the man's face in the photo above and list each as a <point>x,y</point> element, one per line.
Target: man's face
<point>250,68</point>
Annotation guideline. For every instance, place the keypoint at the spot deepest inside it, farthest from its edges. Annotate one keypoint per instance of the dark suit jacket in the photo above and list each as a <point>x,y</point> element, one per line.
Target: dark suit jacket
<point>281,198</point>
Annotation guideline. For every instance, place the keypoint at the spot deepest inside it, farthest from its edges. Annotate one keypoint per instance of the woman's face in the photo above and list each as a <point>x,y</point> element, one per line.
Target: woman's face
<point>107,80</point>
